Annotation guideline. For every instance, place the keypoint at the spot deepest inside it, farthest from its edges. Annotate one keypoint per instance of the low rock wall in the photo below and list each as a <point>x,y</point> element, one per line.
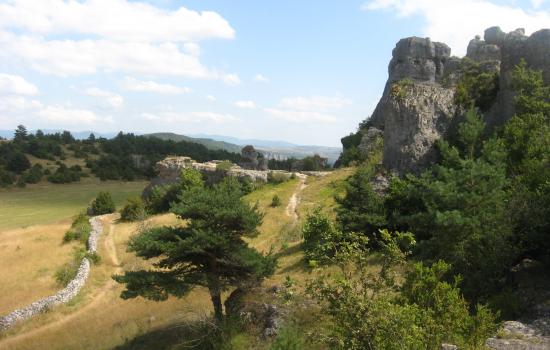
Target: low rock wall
<point>64,295</point>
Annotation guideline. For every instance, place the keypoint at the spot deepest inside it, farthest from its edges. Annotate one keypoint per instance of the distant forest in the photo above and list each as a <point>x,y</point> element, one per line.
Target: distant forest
<point>125,157</point>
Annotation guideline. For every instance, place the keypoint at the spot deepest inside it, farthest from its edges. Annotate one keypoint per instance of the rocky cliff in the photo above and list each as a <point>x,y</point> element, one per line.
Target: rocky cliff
<point>419,105</point>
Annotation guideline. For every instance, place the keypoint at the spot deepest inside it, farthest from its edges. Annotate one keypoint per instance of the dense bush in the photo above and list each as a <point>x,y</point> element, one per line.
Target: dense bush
<point>161,197</point>
<point>6,178</point>
<point>323,238</point>
<point>18,162</point>
<point>103,204</point>
<point>67,272</point>
<point>33,175</point>
<point>80,229</point>
<point>276,178</point>
<point>369,310</point>
<point>133,210</point>
<point>275,201</point>
<point>475,87</point>
<point>64,174</point>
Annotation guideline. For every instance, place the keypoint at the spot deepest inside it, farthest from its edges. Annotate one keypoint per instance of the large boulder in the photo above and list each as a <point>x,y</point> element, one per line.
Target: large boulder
<point>413,123</point>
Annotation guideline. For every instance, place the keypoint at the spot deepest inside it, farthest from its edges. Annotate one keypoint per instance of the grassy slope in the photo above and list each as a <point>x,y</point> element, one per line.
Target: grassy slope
<point>101,320</point>
<point>32,276</point>
<point>48,203</point>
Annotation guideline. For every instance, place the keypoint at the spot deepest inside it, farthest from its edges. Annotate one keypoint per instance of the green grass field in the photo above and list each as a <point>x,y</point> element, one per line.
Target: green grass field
<point>47,203</point>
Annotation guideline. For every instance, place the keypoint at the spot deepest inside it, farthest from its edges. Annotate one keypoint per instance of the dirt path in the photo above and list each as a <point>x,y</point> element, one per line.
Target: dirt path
<point>295,199</point>
<point>97,297</point>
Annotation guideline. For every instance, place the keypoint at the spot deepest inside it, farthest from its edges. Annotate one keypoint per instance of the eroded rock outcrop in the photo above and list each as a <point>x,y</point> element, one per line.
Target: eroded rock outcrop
<point>418,104</point>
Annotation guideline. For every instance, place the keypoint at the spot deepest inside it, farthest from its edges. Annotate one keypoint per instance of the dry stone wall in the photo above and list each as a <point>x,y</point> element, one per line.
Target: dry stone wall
<point>64,295</point>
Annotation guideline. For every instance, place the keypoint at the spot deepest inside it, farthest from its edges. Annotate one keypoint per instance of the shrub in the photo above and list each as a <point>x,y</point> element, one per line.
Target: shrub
<point>371,311</point>
<point>322,238</point>
<point>103,204</point>
<point>276,178</point>
<point>33,175</point>
<point>275,201</point>
<point>65,273</point>
<point>224,166</point>
<point>133,210</point>
<point>80,229</point>
<point>400,88</point>
<point>6,178</point>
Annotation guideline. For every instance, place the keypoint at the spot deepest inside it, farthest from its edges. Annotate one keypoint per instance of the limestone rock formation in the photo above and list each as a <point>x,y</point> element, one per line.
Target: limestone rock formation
<point>253,160</point>
<point>418,104</point>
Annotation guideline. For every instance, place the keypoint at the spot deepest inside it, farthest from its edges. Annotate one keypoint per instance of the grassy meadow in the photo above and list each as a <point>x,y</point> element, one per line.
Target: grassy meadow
<point>99,319</point>
<point>47,203</point>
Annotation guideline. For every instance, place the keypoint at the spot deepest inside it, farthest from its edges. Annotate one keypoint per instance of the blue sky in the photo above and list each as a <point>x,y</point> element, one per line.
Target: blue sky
<point>297,70</point>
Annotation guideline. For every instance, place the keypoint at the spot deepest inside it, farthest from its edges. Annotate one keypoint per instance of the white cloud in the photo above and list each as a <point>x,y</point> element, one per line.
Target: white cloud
<point>445,19</point>
<point>73,116</point>
<point>132,84</point>
<point>210,98</point>
<point>110,98</point>
<point>14,84</point>
<point>314,103</point>
<point>245,104</point>
<point>119,20</point>
<point>20,108</point>
<point>231,79</point>
<point>70,57</point>
<point>261,79</point>
<point>193,117</point>
<point>300,116</point>
<point>113,36</point>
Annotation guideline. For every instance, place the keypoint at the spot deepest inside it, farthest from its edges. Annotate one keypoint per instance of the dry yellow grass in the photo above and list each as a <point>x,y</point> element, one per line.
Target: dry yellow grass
<point>29,259</point>
<point>99,319</point>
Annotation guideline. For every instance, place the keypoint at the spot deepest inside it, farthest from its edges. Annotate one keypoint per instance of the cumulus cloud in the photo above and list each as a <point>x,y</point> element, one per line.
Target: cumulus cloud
<point>14,84</point>
<point>132,84</point>
<point>261,79</point>
<point>193,117</point>
<point>245,104</point>
<point>442,18</point>
<point>71,116</point>
<point>120,20</point>
<point>314,103</point>
<point>16,107</point>
<point>231,79</point>
<point>68,38</point>
<point>110,98</point>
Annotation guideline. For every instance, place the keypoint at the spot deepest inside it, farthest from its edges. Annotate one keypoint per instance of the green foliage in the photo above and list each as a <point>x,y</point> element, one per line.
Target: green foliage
<point>276,178</point>
<point>63,174</point>
<point>224,166</point>
<point>133,210</point>
<point>323,239</point>
<point>6,178</point>
<point>67,272</point>
<point>372,311</point>
<point>527,138</point>
<point>18,162</point>
<point>161,197</point>
<point>361,209</point>
<point>458,212</point>
<point>33,175</point>
<point>400,89</point>
<point>476,88</point>
<point>210,251</point>
<point>103,204</point>
<point>80,229</point>
<point>275,201</point>
<point>288,338</point>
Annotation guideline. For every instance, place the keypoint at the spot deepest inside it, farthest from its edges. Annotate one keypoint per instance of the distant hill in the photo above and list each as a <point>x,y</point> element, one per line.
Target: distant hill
<point>271,148</point>
<point>281,149</point>
<point>208,143</point>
